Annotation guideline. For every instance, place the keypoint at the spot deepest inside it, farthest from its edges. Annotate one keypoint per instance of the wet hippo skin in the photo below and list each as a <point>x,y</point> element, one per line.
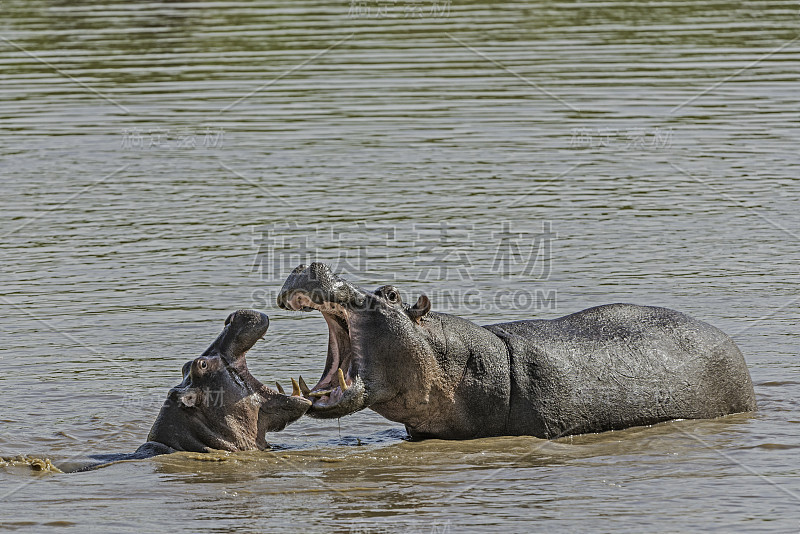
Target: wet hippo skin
<point>442,376</point>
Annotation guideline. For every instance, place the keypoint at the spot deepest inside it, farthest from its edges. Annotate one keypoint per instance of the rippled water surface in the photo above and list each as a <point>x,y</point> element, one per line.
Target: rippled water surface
<point>165,163</point>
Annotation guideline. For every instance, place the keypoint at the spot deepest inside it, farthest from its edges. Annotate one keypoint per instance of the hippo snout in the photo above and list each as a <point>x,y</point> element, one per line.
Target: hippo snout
<point>242,329</point>
<point>248,319</point>
<point>311,286</point>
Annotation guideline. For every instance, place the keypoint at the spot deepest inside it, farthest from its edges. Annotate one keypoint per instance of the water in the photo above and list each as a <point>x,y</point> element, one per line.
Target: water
<point>166,163</point>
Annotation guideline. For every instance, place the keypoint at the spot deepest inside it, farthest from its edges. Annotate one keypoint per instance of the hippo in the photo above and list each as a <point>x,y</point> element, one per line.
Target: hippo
<point>219,404</point>
<point>605,368</point>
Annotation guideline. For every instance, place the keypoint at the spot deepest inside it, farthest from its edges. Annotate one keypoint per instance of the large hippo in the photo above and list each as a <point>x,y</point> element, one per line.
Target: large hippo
<point>442,376</point>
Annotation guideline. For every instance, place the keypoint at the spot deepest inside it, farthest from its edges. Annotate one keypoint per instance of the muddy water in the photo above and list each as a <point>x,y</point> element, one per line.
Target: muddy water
<point>166,163</point>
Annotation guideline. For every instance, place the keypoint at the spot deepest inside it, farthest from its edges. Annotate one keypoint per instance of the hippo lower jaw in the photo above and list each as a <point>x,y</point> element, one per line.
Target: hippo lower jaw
<point>340,391</point>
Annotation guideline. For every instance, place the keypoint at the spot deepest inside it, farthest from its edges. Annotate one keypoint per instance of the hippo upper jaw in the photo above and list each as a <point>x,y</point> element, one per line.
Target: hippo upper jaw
<point>341,390</point>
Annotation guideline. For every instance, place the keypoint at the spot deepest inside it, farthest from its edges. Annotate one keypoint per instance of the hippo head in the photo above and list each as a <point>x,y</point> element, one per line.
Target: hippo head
<point>379,350</point>
<point>219,404</point>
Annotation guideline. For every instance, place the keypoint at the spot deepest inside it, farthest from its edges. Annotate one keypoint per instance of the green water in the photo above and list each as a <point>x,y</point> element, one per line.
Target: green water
<point>166,163</point>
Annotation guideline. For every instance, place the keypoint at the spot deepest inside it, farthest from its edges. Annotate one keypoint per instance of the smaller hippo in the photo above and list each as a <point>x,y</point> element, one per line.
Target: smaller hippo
<point>219,404</point>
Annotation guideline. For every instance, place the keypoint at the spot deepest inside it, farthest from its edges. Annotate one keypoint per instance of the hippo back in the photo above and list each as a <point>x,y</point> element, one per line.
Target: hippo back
<point>617,366</point>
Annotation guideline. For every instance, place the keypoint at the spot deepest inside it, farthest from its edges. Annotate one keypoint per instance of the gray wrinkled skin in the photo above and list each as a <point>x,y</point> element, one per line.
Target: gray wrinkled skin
<point>219,404</point>
<point>604,368</point>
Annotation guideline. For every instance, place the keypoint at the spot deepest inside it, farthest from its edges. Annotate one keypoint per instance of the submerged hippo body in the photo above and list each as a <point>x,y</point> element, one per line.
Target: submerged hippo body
<point>604,368</point>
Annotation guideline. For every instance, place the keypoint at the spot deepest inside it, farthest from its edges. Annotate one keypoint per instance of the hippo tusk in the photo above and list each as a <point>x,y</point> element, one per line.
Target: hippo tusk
<point>342,382</point>
<point>295,388</point>
<point>303,387</point>
<point>320,393</point>
<point>280,389</point>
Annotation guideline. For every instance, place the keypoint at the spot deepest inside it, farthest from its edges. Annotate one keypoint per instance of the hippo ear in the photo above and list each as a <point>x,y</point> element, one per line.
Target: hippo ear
<point>418,310</point>
<point>189,398</point>
<point>186,368</point>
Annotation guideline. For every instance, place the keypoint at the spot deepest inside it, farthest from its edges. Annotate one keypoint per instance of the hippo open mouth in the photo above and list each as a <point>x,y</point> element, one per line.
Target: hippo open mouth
<point>341,390</point>
<point>219,404</point>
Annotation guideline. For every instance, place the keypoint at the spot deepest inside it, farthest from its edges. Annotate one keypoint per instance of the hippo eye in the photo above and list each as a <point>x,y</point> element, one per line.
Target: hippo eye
<point>202,364</point>
<point>392,296</point>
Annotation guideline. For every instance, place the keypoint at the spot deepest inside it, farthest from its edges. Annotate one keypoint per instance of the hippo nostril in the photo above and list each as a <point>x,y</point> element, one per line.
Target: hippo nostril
<point>229,318</point>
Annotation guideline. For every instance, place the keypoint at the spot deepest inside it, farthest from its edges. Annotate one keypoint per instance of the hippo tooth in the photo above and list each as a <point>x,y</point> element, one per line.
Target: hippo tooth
<point>295,388</point>
<point>303,387</point>
<point>320,393</point>
<point>342,382</point>
<point>280,389</point>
